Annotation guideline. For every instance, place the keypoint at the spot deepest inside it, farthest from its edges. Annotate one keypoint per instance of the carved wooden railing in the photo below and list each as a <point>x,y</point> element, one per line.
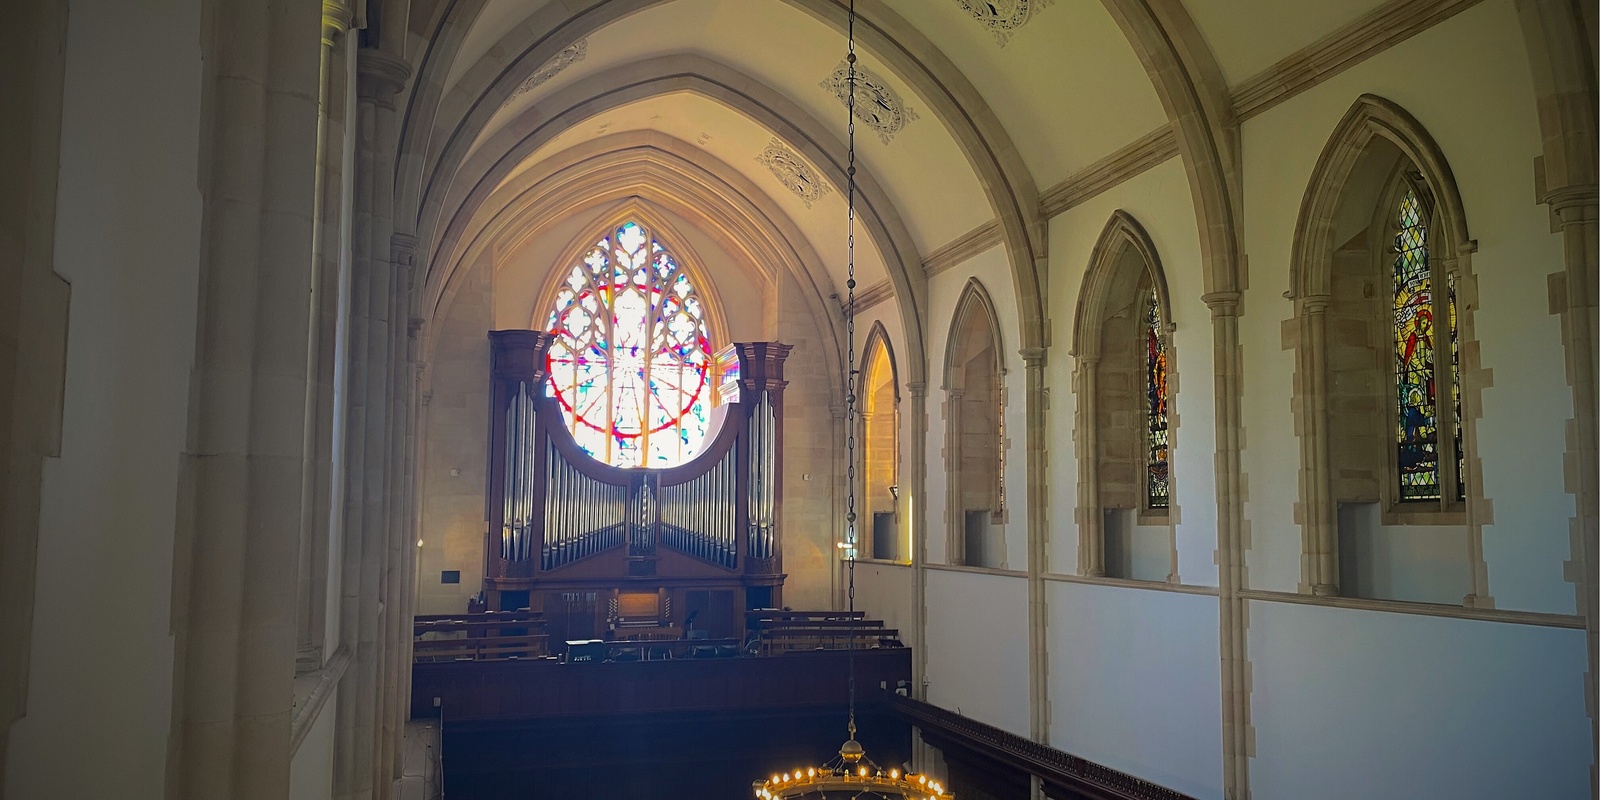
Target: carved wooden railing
<point>1066,776</point>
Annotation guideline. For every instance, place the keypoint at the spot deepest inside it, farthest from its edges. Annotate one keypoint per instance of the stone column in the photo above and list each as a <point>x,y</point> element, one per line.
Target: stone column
<point>1578,216</point>
<point>955,535</point>
<point>1091,517</point>
<point>401,535</point>
<point>1038,493</point>
<point>33,323</point>
<point>317,451</point>
<point>367,518</point>
<point>239,520</point>
<point>1228,399</point>
<point>1319,522</point>
<point>918,498</point>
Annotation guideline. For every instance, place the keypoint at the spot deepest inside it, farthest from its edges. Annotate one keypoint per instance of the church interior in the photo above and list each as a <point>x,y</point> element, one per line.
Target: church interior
<point>1110,399</point>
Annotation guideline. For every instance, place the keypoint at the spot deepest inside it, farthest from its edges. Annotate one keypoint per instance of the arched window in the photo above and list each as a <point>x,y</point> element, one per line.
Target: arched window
<point>975,433</point>
<point>880,438</point>
<point>1122,343</point>
<point>1381,253</point>
<point>1157,467</point>
<point>1427,394</point>
<point>631,357</point>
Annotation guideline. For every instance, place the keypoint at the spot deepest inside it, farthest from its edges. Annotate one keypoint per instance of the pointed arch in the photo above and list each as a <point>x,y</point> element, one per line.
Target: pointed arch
<point>1356,142</point>
<point>878,344</point>
<point>1121,237</point>
<point>973,307</point>
<point>879,435</point>
<point>1345,272</point>
<point>1122,383</point>
<point>974,370</point>
<point>634,209</point>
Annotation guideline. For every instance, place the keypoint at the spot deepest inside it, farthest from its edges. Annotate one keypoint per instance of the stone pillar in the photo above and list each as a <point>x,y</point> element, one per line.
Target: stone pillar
<point>239,520</point>
<point>1228,399</point>
<point>1037,464</point>
<point>918,498</point>
<point>1578,216</point>
<point>33,323</point>
<point>1091,517</point>
<point>317,453</point>
<point>1319,522</point>
<point>955,537</point>
<point>401,548</point>
<point>369,440</point>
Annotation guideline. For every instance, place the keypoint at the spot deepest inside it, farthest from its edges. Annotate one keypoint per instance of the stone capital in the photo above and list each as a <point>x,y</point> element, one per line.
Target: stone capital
<point>1574,204</point>
<point>1033,357</point>
<point>380,76</point>
<point>917,389</point>
<point>1222,304</point>
<point>337,17</point>
<point>1316,303</point>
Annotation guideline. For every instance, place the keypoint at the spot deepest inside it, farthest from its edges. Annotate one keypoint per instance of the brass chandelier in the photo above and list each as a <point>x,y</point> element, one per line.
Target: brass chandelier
<point>850,774</point>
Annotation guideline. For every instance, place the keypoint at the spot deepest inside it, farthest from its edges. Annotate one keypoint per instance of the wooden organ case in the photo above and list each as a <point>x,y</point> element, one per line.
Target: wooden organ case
<point>612,552</point>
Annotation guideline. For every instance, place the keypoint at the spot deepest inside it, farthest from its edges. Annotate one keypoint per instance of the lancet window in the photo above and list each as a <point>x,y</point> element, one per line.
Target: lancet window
<point>1423,386</point>
<point>630,364</point>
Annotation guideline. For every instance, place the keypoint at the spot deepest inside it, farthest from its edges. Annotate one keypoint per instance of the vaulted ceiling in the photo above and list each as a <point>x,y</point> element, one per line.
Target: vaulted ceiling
<point>991,103</point>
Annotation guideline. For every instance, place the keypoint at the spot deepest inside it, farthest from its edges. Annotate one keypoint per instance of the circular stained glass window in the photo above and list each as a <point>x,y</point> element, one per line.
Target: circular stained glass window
<point>631,358</point>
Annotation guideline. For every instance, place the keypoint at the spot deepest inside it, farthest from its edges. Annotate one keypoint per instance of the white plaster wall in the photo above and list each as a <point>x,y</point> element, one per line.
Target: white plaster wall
<point>1135,683</point>
<point>1397,706</point>
<point>99,705</point>
<point>993,270</point>
<point>978,648</point>
<point>455,456</point>
<point>1160,200</point>
<point>311,771</point>
<point>884,592</point>
<point>1467,81</point>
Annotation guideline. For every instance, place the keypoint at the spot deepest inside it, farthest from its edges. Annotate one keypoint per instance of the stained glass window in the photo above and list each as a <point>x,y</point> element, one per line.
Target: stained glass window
<point>630,360</point>
<point>1416,379</point>
<point>1157,484</point>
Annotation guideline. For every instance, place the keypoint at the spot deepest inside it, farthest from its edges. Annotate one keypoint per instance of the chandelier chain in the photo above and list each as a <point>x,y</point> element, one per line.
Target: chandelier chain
<point>850,350</point>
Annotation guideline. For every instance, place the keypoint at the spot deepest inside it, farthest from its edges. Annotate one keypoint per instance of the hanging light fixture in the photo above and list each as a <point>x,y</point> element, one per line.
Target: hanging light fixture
<point>850,774</point>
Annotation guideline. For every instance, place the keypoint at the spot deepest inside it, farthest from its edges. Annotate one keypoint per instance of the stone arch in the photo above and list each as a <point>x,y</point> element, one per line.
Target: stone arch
<point>496,158</point>
<point>975,436</point>
<point>677,244</point>
<point>1370,119</point>
<point>1110,414</point>
<point>438,136</point>
<point>1121,237</point>
<point>1340,380</point>
<point>674,174</point>
<point>879,434</point>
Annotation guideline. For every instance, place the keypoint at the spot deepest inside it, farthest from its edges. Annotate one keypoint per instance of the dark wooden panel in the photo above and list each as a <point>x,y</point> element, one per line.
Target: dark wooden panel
<point>486,691</point>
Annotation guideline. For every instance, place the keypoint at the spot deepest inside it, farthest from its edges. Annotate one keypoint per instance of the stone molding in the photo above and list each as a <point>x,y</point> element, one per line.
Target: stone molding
<point>793,172</point>
<point>1128,583</point>
<point>569,55</point>
<point>1003,18</point>
<point>308,708</point>
<point>1374,32</point>
<point>892,114</point>
<point>1539,618</point>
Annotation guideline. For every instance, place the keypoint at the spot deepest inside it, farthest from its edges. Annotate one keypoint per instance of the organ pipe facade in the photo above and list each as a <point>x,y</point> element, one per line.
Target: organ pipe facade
<point>702,536</point>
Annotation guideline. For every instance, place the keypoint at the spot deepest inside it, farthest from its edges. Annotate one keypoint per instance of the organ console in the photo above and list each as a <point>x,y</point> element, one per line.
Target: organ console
<point>601,549</point>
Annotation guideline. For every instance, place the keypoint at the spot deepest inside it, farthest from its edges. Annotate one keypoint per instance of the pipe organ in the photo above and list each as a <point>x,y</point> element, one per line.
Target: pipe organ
<point>701,537</point>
